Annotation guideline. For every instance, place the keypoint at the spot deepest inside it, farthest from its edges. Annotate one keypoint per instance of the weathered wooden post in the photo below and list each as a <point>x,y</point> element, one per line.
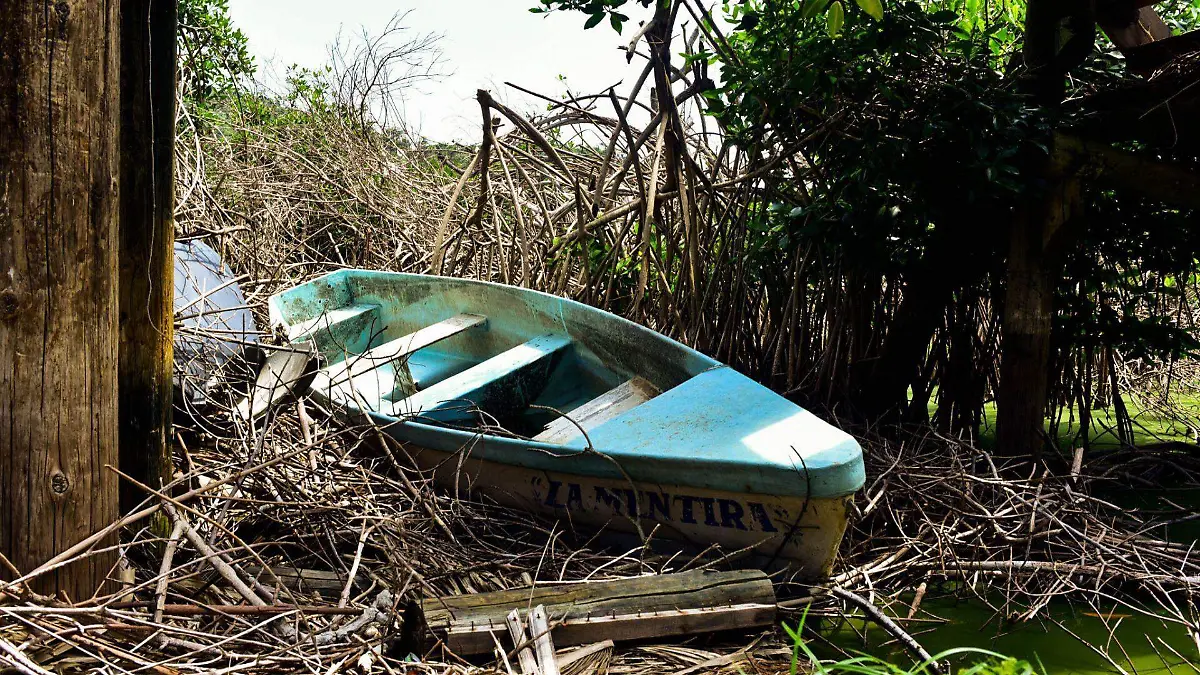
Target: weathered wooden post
<point>59,86</point>
<point>147,241</point>
<point>1029,310</point>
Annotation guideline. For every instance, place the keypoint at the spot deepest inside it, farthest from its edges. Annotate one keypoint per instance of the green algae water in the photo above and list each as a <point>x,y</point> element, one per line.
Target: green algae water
<point>1058,641</point>
<point>1135,643</point>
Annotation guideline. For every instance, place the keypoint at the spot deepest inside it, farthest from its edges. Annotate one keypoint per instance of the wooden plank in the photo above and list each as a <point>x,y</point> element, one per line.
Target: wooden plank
<point>1140,27</point>
<point>287,372</point>
<point>626,609</point>
<point>1170,183</point>
<point>598,410</point>
<point>466,640</point>
<point>400,348</point>
<point>539,631</point>
<point>1151,56</point>
<point>339,330</point>
<point>59,287</point>
<point>516,630</point>
<point>307,581</point>
<point>502,383</point>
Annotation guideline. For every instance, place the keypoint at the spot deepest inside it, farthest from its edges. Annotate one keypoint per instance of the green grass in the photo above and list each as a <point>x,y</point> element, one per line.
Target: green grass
<point>1149,426</point>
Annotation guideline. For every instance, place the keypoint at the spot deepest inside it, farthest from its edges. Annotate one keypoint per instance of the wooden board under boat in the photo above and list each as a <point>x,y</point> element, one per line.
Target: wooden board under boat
<point>559,408</point>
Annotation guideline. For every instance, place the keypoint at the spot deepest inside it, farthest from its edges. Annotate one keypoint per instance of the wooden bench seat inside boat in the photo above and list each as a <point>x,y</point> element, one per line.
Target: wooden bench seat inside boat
<point>501,385</point>
<point>373,374</point>
<point>599,410</point>
<point>342,329</point>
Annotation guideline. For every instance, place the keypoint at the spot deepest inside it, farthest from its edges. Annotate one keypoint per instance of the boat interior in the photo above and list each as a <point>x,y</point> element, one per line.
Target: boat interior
<point>532,366</point>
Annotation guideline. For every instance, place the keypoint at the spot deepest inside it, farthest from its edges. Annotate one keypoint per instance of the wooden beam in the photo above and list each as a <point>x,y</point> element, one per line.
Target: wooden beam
<point>1151,56</point>
<point>147,229</point>
<point>1169,183</point>
<point>1133,29</point>
<point>1159,113</point>
<point>59,84</point>
<point>626,609</point>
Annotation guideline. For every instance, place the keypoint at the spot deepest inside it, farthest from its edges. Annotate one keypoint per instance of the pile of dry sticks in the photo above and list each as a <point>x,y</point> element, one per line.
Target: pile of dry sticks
<point>299,544</point>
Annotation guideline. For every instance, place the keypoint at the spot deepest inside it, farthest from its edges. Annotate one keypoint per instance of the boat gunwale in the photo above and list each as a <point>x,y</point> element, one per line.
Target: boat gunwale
<point>276,315</point>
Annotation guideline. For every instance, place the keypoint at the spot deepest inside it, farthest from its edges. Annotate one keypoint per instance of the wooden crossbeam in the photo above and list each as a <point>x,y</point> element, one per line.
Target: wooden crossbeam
<point>1142,26</point>
<point>1172,184</point>
<point>1151,56</point>
<point>598,410</point>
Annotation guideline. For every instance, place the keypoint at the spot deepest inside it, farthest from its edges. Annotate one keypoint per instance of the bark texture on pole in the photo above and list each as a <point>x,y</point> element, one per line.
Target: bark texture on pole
<point>58,284</point>
<point>147,241</point>
<point>1029,310</point>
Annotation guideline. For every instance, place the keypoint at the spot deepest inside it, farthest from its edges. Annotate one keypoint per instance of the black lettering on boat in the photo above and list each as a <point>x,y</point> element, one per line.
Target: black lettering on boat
<point>731,513</point>
<point>688,516</point>
<point>758,513</point>
<point>710,512</point>
<point>574,496</point>
<point>658,501</point>
<point>658,506</point>
<point>552,495</point>
<point>631,502</point>
<point>611,500</point>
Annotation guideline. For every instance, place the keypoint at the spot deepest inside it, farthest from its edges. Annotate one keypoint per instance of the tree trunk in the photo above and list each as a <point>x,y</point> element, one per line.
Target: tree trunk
<point>880,387</point>
<point>147,241</point>
<point>58,284</point>
<point>1028,316</point>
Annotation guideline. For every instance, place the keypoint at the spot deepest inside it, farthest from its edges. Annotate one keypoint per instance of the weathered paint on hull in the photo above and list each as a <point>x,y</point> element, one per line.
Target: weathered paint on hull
<point>803,534</point>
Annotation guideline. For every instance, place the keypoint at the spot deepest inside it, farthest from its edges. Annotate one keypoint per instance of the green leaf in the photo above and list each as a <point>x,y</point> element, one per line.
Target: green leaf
<point>813,8</point>
<point>835,18</point>
<point>944,16</point>
<point>873,8</point>
<point>614,20</point>
<point>593,20</point>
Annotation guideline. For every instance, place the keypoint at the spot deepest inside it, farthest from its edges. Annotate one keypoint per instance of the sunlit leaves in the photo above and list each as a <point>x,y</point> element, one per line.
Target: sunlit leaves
<point>213,53</point>
<point>873,8</point>
<point>747,13</point>
<point>596,10</point>
<point>813,8</point>
<point>835,18</point>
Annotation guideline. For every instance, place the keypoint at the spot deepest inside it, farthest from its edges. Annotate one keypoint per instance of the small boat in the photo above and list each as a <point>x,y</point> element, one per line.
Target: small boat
<point>553,406</point>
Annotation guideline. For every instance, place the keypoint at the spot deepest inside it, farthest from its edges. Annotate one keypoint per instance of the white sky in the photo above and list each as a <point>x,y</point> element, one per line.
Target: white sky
<point>486,42</point>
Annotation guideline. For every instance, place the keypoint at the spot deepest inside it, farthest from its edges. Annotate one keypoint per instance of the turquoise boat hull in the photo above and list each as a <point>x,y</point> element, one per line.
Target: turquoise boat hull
<point>557,407</point>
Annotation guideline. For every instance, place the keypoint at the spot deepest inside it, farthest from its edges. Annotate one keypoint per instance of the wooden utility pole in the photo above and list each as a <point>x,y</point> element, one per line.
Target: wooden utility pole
<point>1038,234</point>
<point>147,241</point>
<point>1029,307</point>
<point>59,84</point>
<point>1044,229</point>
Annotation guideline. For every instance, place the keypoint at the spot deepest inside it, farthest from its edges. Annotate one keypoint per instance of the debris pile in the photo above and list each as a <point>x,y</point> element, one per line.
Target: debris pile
<point>299,544</point>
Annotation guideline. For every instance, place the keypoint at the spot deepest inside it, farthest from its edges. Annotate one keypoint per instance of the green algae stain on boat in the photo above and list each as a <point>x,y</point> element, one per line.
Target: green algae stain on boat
<point>553,406</point>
